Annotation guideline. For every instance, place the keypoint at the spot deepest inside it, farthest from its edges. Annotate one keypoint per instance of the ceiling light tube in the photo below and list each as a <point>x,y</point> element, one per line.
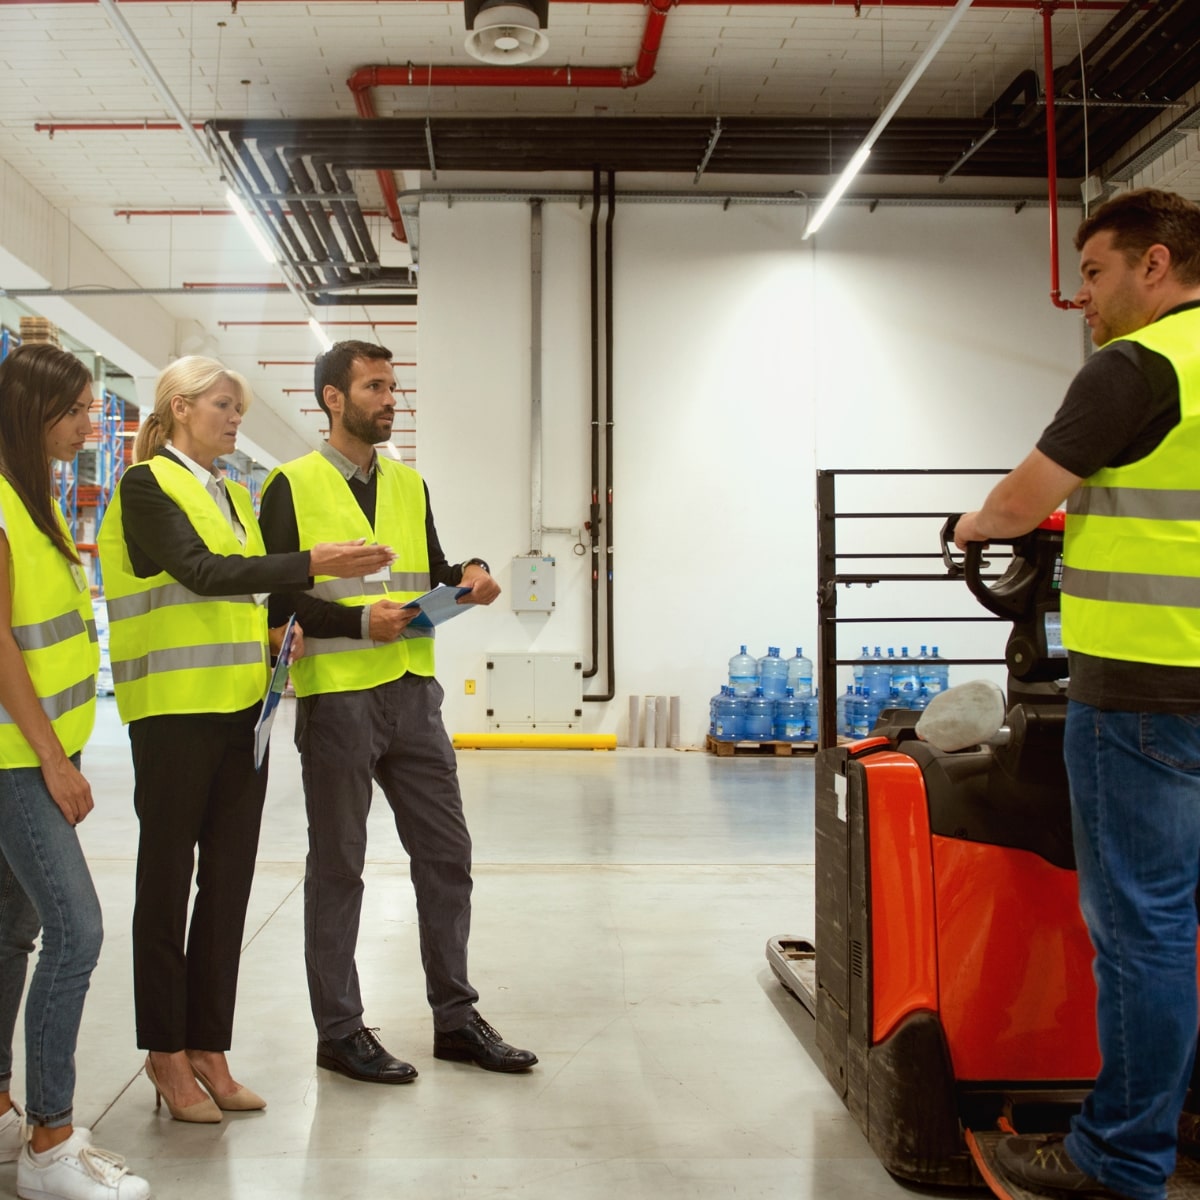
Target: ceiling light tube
<point>844,181</point>
<point>251,226</point>
<point>910,82</point>
<point>319,333</point>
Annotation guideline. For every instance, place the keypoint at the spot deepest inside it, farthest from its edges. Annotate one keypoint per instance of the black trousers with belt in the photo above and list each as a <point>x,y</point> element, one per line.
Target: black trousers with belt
<point>195,789</point>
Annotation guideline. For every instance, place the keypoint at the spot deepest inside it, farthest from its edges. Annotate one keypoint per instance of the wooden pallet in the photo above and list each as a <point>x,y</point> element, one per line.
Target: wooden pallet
<point>724,749</point>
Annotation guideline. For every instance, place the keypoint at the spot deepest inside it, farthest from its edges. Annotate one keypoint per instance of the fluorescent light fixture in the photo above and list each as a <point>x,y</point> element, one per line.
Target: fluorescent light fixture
<point>319,333</point>
<point>856,163</point>
<point>250,225</point>
<point>844,181</point>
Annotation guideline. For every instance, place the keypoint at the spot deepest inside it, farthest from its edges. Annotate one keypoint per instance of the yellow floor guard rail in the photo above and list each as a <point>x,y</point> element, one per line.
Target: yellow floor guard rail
<point>535,741</point>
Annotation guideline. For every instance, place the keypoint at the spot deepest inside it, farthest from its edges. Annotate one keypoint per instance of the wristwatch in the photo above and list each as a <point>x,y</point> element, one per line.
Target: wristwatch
<point>476,562</point>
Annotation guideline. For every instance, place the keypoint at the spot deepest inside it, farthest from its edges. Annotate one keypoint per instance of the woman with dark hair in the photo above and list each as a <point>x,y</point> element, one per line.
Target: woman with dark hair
<point>185,575</point>
<point>48,663</point>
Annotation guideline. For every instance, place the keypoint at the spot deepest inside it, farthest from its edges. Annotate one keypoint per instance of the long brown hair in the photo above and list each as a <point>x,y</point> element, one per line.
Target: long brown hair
<point>38,386</point>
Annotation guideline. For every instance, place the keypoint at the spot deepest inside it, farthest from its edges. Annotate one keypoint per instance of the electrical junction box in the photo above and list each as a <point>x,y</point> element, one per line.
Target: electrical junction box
<point>532,583</point>
<point>534,691</point>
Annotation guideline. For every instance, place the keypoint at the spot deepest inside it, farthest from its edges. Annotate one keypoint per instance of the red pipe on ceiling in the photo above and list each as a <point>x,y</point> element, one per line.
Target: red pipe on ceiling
<point>1017,5</point>
<point>366,78</point>
<point>1056,298</point>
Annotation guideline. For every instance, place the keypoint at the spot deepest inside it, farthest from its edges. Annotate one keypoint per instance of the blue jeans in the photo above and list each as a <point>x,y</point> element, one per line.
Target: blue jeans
<point>1135,806</point>
<point>44,883</point>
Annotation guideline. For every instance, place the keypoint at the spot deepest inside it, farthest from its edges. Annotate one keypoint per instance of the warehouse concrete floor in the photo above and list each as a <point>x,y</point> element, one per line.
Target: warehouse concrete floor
<point>622,903</point>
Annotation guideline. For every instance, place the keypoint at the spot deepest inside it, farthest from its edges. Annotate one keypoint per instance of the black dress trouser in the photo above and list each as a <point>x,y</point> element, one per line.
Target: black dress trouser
<point>195,787</point>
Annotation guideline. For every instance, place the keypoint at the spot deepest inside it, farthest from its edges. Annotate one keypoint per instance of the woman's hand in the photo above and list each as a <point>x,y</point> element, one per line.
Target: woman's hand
<point>348,560</point>
<point>68,789</point>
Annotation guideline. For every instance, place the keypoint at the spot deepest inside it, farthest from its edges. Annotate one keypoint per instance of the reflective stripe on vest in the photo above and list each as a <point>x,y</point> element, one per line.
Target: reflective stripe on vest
<point>326,511</point>
<point>55,631</point>
<point>60,703</point>
<point>172,650</point>
<point>1131,549</point>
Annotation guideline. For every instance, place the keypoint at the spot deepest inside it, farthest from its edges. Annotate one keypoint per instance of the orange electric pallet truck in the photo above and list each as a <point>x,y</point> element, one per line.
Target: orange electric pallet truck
<point>950,975</point>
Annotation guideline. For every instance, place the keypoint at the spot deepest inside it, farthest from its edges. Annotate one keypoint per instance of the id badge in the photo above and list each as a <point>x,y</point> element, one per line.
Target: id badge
<point>77,573</point>
<point>381,576</point>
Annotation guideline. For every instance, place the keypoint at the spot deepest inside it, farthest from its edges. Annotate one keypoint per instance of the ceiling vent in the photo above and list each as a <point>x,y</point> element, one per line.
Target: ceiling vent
<point>507,31</point>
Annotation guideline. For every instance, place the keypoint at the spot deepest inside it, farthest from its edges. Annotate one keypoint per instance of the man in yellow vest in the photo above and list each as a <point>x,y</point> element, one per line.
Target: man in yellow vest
<point>1124,451</point>
<point>369,710</point>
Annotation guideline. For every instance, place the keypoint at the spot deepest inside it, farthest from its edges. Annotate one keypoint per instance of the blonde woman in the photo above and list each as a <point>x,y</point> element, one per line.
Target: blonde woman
<point>48,662</point>
<point>185,573</point>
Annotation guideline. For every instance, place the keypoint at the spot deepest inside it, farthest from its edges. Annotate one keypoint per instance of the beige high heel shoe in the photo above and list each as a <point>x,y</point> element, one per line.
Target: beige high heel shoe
<point>243,1100</point>
<point>203,1112</point>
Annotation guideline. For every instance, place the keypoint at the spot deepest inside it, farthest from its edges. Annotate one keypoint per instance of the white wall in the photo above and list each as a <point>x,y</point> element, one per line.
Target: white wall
<point>744,359</point>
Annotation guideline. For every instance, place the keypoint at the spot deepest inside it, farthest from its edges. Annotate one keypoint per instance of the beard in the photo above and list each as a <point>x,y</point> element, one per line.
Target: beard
<point>358,425</point>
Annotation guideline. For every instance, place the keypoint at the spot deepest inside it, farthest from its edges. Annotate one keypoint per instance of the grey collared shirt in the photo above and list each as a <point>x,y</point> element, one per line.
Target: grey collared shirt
<point>350,470</point>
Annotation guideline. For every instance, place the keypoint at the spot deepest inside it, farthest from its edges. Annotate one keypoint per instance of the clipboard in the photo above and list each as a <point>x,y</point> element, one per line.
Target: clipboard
<point>279,676</point>
<point>437,606</point>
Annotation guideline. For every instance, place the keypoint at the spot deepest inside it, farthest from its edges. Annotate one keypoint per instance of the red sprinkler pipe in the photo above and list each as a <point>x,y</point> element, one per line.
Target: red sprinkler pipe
<point>1056,298</point>
<point>366,78</point>
<point>1012,5</point>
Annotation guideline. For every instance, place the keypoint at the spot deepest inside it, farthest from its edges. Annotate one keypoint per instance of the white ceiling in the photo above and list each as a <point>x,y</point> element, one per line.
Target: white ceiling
<point>65,63</point>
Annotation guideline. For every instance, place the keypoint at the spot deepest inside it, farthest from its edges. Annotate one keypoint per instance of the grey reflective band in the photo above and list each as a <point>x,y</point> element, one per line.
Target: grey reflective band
<point>343,645</point>
<point>61,703</point>
<point>334,590</point>
<point>1151,504</point>
<point>188,658</point>
<point>50,633</point>
<point>166,596</point>
<point>1170,591</point>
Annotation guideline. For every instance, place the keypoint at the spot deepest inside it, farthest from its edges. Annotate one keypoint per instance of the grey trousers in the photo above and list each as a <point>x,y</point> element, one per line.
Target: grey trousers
<point>392,735</point>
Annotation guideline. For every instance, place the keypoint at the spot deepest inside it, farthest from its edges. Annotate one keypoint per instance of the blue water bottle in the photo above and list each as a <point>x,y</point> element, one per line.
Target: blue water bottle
<point>726,719</point>
<point>942,669</point>
<point>758,717</point>
<point>877,677</point>
<point>743,673</point>
<point>860,724</point>
<point>800,674</point>
<point>904,678</point>
<point>812,719</point>
<point>859,665</point>
<point>845,724</point>
<point>773,674</point>
<point>789,717</point>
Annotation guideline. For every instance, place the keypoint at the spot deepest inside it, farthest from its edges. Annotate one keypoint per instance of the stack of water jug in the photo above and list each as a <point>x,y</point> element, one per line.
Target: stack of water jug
<point>766,699</point>
<point>891,682</point>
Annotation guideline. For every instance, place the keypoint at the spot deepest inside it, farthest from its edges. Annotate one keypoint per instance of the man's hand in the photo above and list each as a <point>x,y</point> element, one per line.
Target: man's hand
<point>348,560</point>
<point>387,620</point>
<point>484,589</point>
<point>68,789</point>
<point>275,637</point>
<point>967,530</point>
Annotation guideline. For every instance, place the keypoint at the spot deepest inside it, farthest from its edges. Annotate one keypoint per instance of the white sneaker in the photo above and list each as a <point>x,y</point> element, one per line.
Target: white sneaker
<point>77,1171</point>
<point>11,1135</point>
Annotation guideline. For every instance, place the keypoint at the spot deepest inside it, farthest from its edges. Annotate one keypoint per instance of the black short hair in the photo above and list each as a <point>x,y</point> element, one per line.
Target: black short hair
<point>1147,217</point>
<point>336,365</point>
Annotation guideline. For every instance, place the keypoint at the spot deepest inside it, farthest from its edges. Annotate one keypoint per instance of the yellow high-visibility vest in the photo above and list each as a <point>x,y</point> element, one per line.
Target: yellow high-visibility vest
<point>326,511</point>
<point>172,650</point>
<point>1131,548</point>
<point>55,629</point>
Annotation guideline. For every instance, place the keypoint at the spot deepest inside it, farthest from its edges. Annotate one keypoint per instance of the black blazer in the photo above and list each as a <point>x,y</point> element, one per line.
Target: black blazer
<point>160,537</point>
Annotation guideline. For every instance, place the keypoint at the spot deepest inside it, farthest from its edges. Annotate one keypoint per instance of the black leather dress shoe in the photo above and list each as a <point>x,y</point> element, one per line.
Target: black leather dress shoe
<point>361,1055</point>
<point>478,1042</point>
